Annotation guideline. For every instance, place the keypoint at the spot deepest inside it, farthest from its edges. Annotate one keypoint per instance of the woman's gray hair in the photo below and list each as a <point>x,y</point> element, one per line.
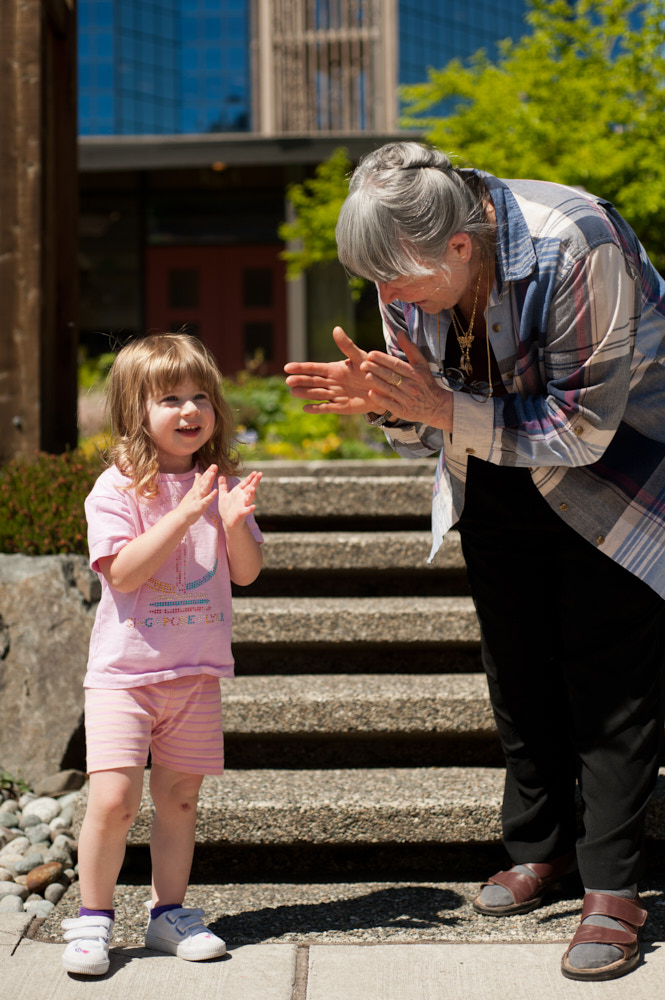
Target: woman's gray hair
<point>405,202</point>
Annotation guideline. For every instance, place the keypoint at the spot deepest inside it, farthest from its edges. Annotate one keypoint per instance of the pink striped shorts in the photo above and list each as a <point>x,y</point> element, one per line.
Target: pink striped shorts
<point>179,721</point>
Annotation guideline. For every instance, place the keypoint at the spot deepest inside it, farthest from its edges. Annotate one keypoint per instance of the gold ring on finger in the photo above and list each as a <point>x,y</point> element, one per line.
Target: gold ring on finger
<point>399,381</point>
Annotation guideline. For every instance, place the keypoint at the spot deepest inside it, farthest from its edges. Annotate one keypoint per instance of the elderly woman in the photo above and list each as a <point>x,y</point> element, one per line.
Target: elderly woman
<point>525,332</point>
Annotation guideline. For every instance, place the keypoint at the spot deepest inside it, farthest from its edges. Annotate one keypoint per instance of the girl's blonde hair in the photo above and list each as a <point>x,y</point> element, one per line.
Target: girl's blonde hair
<point>148,367</point>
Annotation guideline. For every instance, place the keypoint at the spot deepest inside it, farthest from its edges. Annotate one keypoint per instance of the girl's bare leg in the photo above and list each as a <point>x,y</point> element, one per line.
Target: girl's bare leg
<point>113,801</point>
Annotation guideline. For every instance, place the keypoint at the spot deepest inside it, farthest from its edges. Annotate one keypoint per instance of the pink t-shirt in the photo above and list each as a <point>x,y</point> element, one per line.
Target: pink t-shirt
<point>179,622</point>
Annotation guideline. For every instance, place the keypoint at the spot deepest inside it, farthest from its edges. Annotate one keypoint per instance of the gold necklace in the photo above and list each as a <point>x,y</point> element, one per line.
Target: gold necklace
<point>465,337</point>
<point>470,331</point>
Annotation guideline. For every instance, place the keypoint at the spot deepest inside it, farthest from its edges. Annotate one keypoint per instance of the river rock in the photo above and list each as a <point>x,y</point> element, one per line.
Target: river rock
<point>14,889</point>
<point>44,808</point>
<point>29,861</point>
<point>11,904</point>
<point>39,834</point>
<point>29,820</point>
<point>60,854</point>
<point>43,875</point>
<point>15,846</point>
<point>54,892</point>
<point>40,907</point>
<point>61,783</point>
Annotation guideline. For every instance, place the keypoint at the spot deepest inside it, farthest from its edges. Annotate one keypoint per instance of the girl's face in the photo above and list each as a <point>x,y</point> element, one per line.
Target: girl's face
<point>180,421</point>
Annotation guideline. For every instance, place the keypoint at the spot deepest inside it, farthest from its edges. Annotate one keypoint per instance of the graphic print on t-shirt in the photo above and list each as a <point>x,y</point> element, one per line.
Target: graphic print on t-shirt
<point>185,595</point>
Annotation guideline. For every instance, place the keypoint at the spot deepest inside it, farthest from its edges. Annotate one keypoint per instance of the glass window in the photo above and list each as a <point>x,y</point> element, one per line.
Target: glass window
<point>257,287</point>
<point>258,339</point>
<point>183,288</point>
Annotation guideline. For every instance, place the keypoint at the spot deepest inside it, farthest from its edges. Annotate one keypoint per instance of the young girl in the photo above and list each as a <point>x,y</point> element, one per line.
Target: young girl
<point>169,528</point>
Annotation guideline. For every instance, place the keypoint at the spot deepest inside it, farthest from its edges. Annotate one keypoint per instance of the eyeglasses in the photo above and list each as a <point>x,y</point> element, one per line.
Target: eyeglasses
<point>453,379</point>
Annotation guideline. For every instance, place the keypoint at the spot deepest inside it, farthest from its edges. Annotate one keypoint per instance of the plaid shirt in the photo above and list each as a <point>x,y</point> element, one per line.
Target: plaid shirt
<point>577,324</point>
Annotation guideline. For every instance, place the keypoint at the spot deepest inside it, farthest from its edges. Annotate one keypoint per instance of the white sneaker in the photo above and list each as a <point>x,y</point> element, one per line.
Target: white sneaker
<point>88,949</point>
<point>182,932</point>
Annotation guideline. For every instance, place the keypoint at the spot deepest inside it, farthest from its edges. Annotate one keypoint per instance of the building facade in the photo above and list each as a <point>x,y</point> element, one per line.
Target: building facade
<point>196,115</point>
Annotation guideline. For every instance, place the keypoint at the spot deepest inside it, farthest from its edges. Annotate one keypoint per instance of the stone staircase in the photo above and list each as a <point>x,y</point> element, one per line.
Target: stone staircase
<point>359,718</point>
<point>358,728</point>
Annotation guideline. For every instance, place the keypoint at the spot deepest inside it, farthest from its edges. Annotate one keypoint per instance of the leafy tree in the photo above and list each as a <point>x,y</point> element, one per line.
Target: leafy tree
<point>316,203</point>
<point>580,100</point>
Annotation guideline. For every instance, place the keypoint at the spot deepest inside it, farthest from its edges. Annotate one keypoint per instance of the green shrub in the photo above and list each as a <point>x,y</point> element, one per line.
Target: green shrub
<point>93,371</point>
<point>265,410</point>
<point>41,503</point>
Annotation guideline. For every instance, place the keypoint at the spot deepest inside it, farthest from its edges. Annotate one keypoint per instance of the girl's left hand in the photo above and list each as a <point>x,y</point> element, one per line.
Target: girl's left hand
<point>407,388</point>
<point>236,504</point>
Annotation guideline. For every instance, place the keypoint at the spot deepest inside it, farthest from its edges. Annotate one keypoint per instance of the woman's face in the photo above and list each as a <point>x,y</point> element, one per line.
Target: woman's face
<point>441,290</point>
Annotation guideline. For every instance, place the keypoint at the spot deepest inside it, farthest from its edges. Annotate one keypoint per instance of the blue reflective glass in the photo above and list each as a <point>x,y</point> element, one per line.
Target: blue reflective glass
<point>104,45</point>
<point>104,76</point>
<point>213,28</point>
<point>189,60</point>
<point>189,120</point>
<point>213,59</point>
<point>103,13</point>
<point>189,29</point>
<point>104,104</point>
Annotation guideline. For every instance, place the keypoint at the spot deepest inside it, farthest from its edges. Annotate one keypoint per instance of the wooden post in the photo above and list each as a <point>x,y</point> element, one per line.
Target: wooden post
<point>38,227</point>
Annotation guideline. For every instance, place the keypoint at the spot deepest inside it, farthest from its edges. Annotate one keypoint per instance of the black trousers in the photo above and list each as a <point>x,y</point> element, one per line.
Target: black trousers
<point>574,649</point>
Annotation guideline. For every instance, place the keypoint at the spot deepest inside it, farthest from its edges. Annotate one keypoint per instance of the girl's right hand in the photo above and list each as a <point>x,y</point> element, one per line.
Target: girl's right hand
<point>197,500</point>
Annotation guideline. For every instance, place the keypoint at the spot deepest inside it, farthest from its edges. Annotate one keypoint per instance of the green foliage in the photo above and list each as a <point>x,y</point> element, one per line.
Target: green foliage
<point>93,371</point>
<point>580,101</point>
<point>316,204</point>
<point>16,786</point>
<point>41,503</point>
<point>282,430</point>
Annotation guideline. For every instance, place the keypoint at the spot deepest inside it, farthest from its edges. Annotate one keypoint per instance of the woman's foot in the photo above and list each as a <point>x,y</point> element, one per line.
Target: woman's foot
<point>521,888</point>
<point>605,945</point>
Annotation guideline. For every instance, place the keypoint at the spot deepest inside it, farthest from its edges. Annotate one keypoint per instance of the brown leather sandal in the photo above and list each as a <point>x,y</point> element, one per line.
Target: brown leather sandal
<point>629,914</point>
<point>527,890</point>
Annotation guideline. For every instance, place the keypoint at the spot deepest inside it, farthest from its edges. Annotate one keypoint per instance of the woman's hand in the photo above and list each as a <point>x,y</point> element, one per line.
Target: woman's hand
<point>407,388</point>
<point>341,385</point>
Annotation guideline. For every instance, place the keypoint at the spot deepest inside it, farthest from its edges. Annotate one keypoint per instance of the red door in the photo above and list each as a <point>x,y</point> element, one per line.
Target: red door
<point>234,298</point>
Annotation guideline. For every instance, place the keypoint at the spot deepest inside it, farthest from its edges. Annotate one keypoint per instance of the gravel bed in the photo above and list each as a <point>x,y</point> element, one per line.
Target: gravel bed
<point>355,912</point>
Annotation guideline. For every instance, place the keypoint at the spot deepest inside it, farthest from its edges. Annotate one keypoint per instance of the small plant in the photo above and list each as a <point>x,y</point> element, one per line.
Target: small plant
<point>15,787</point>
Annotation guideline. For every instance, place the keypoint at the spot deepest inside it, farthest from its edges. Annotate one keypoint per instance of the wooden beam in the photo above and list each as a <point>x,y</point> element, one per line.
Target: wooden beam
<point>38,213</point>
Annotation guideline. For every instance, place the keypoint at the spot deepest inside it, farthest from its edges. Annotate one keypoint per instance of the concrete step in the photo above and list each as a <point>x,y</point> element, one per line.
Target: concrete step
<point>346,705</point>
<point>346,468</point>
<point>343,806</point>
<point>444,621</point>
<point>357,564</point>
<point>345,497</point>
<point>355,807</point>
<point>322,551</point>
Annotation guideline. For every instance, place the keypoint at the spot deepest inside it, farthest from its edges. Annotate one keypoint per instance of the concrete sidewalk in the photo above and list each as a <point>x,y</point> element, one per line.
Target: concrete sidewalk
<point>31,970</point>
